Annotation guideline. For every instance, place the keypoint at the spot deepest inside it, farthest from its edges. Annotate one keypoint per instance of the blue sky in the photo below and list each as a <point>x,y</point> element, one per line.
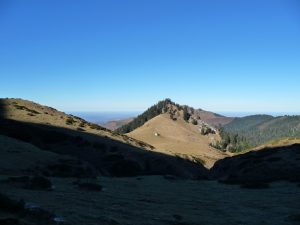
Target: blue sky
<point>125,55</point>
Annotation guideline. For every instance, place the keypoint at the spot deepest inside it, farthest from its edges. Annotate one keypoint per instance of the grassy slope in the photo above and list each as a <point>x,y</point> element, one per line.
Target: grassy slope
<point>178,138</point>
<point>49,116</point>
<point>17,156</point>
<point>110,153</point>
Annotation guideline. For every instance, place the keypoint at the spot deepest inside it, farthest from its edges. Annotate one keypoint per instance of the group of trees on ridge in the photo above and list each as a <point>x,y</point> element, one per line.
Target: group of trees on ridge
<point>153,111</point>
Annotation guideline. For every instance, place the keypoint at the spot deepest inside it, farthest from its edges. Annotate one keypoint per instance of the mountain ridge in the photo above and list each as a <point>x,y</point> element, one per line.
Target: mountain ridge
<point>175,111</point>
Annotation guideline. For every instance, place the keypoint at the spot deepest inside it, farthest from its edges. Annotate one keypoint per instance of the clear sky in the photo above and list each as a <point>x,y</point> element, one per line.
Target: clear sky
<point>126,55</point>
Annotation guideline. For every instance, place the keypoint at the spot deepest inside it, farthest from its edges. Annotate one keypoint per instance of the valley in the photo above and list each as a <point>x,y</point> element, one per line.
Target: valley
<point>165,170</point>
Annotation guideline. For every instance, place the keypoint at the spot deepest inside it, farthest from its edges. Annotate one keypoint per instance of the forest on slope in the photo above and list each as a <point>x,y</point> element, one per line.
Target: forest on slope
<point>252,131</point>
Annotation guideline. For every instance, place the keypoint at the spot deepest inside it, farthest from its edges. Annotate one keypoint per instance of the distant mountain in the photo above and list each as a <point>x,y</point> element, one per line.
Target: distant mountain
<point>260,129</point>
<point>115,124</point>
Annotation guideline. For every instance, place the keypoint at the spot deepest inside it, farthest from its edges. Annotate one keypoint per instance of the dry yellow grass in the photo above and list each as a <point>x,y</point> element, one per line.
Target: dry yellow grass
<point>48,116</point>
<point>178,138</point>
<point>278,143</point>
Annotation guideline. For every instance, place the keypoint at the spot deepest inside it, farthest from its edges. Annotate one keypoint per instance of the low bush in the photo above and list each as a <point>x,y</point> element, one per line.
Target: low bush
<point>70,121</point>
<point>20,107</point>
<point>194,122</point>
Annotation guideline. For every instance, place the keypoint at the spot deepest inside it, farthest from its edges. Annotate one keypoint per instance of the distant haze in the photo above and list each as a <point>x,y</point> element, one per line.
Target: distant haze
<point>103,117</point>
<point>241,114</point>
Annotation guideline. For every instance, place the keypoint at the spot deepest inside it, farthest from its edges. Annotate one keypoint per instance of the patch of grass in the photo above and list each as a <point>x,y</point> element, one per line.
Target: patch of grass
<point>113,158</point>
<point>273,159</point>
<point>126,168</point>
<point>255,185</point>
<point>295,217</point>
<point>9,221</point>
<point>90,186</point>
<point>114,149</point>
<point>9,205</point>
<point>41,183</point>
<point>100,146</point>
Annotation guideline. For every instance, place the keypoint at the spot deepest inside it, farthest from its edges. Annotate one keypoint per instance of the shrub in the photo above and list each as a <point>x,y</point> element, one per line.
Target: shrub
<point>20,107</point>
<point>95,126</point>
<point>194,122</point>
<point>207,130</point>
<point>70,121</point>
<point>186,115</point>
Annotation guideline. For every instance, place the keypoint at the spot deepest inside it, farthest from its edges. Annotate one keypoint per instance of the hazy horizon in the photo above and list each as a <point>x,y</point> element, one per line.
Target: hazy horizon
<point>102,117</point>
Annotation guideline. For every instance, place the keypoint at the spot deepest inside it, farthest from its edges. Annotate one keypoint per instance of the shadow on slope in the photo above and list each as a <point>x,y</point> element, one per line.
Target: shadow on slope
<point>109,157</point>
<point>263,166</point>
<point>2,109</point>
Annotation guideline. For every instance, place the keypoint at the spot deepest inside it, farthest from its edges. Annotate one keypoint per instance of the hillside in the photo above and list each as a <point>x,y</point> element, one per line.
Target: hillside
<point>175,110</point>
<point>260,129</point>
<point>179,138</point>
<point>109,153</point>
<point>115,124</point>
<point>262,165</point>
<point>31,112</point>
